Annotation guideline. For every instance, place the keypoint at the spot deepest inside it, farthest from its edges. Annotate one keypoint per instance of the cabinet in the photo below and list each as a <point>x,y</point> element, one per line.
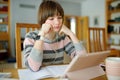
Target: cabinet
<point>113,22</point>
<point>79,25</point>
<point>5,27</point>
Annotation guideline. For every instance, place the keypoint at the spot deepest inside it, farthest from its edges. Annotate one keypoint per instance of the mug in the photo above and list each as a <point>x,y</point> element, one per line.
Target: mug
<point>113,68</point>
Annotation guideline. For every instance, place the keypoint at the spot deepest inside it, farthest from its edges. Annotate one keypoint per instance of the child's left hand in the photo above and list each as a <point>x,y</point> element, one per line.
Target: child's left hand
<point>65,30</point>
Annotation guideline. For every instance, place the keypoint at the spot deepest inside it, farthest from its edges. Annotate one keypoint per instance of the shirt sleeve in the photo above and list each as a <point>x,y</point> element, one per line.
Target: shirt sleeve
<point>33,57</point>
<point>73,48</point>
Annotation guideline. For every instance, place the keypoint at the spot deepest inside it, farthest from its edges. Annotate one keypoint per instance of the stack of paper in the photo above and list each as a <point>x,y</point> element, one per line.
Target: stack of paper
<point>5,74</point>
<point>8,79</point>
<point>45,72</point>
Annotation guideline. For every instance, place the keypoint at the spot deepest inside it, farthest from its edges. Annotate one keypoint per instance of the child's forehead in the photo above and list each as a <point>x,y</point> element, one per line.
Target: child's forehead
<point>56,14</point>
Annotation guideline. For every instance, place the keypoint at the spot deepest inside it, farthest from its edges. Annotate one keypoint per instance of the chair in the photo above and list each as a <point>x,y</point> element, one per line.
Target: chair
<point>20,29</point>
<point>96,40</point>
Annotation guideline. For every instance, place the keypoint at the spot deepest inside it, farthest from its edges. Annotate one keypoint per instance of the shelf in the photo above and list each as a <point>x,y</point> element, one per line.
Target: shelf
<point>110,1</point>
<point>114,11</point>
<point>117,47</point>
<point>114,44</point>
<point>3,2</point>
<point>6,23</point>
<point>115,34</point>
<point>113,22</point>
<point>4,36</point>
<point>3,12</point>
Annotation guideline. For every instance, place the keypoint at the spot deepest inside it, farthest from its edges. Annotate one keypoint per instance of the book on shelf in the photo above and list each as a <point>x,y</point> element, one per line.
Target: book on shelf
<point>3,44</point>
<point>117,47</point>
<point>3,28</point>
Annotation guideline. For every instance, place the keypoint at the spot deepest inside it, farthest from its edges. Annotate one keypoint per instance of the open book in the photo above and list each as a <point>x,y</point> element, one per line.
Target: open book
<point>45,72</point>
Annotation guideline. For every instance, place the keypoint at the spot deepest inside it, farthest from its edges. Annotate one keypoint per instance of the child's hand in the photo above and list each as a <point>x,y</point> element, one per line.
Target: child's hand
<point>65,30</point>
<point>46,28</point>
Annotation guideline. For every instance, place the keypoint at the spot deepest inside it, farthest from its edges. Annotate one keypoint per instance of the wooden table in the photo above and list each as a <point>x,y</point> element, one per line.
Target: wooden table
<point>15,75</point>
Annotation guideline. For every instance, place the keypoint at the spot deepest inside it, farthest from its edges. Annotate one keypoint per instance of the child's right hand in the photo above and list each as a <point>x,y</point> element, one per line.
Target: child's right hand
<point>46,28</point>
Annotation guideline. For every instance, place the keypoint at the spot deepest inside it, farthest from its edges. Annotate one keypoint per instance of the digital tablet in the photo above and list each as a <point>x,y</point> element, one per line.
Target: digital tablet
<point>87,60</point>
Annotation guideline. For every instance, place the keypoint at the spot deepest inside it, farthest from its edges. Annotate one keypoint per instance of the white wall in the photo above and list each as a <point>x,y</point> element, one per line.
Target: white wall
<point>93,8</point>
<point>71,8</point>
<point>89,8</point>
<point>29,15</point>
<point>20,14</point>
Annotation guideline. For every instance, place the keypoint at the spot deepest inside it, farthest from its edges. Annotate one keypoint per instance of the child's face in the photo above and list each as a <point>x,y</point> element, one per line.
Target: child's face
<point>56,22</point>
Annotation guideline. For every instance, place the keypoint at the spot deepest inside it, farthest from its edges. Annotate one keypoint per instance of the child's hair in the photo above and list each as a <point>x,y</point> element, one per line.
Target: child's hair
<point>47,9</point>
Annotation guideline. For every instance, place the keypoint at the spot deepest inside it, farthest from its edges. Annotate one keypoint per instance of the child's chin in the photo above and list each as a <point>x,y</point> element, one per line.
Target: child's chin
<point>57,30</point>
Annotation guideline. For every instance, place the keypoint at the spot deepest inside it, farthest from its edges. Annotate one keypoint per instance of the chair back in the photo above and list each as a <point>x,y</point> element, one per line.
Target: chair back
<point>21,30</point>
<point>96,39</point>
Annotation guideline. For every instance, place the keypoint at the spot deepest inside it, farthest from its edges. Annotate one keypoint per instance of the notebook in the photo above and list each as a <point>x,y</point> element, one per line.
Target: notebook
<point>77,69</point>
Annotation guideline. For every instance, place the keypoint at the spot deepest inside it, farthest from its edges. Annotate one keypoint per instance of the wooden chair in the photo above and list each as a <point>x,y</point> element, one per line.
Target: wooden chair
<point>96,40</point>
<point>20,29</point>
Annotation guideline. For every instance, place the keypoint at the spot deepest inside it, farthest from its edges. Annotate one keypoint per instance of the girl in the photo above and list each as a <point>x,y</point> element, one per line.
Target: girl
<point>48,45</point>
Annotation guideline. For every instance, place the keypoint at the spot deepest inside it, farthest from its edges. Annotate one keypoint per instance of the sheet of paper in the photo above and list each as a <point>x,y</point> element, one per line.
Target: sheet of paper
<point>26,74</point>
<point>45,72</point>
<point>5,74</point>
<point>57,71</point>
<point>8,79</point>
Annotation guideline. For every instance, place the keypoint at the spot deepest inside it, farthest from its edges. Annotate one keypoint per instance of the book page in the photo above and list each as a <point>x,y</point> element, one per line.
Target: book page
<point>8,79</point>
<point>26,74</point>
<point>5,74</point>
<point>58,70</point>
<point>45,72</point>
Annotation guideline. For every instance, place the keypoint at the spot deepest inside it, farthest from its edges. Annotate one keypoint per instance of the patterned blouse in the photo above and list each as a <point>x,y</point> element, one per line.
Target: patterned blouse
<point>53,51</point>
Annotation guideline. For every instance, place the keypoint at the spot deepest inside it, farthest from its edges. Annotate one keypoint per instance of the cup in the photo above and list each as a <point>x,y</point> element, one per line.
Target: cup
<point>113,68</point>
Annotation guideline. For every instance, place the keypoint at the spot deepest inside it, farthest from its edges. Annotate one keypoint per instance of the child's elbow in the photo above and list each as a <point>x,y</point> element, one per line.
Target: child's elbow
<point>35,69</point>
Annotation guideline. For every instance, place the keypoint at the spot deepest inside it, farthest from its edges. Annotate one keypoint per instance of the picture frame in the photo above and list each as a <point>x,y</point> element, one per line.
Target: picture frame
<point>96,20</point>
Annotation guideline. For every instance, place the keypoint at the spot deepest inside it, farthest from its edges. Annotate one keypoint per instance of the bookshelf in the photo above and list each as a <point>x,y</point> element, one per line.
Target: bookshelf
<point>113,24</point>
<point>5,27</point>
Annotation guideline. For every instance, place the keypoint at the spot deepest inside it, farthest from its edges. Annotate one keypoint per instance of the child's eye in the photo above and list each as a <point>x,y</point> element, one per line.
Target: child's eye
<point>60,17</point>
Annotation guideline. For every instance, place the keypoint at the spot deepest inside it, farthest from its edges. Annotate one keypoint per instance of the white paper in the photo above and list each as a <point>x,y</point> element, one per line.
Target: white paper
<point>115,47</point>
<point>8,79</point>
<point>45,72</point>
<point>57,71</point>
<point>5,74</point>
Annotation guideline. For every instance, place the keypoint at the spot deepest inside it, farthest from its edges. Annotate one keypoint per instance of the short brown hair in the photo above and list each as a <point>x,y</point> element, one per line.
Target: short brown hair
<point>47,9</point>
